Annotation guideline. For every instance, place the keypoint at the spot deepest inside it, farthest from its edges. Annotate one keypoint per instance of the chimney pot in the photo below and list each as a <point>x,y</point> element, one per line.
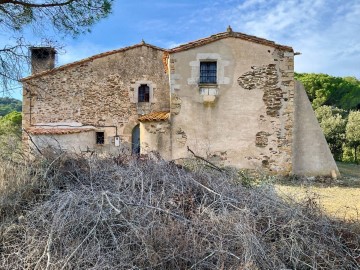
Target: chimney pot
<point>42,59</point>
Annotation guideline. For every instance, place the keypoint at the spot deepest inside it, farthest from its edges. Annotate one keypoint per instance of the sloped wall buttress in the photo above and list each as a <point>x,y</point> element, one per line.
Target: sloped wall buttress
<point>311,153</point>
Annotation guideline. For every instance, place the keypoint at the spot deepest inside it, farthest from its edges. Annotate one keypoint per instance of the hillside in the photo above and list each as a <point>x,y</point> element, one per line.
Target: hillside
<point>8,105</point>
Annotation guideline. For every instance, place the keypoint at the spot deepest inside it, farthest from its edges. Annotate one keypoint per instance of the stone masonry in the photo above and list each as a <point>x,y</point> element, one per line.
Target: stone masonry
<point>147,99</point>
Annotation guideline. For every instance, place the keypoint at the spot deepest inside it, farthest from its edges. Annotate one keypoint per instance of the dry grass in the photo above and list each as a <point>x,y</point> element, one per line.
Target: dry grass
<point>341,202</point>
<point>340,199</point>
<point>126,213</point>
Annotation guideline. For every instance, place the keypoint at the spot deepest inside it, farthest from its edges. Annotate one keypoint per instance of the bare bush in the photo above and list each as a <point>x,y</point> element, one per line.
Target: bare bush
<point>126,213</point>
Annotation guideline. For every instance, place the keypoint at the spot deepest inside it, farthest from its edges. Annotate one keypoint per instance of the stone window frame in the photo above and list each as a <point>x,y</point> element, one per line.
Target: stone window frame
<point>135,87</point>
<point>211,57</point>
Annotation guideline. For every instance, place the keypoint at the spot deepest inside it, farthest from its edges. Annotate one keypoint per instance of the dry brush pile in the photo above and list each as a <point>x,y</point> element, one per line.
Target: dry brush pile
<point>125,213</point>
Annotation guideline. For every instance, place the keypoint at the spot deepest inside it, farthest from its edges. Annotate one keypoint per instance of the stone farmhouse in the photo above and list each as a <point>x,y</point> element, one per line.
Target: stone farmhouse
<point>230,98</point>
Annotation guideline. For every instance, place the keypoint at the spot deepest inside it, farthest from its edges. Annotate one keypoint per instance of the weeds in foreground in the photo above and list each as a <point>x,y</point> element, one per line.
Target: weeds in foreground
<point>126,213</point>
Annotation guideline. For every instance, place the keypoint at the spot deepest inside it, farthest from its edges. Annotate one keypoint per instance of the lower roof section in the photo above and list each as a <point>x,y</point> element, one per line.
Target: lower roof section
<point>155,116</point>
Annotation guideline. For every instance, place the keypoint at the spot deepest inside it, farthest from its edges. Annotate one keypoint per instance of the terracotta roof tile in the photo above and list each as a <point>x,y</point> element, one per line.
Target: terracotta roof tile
<point>91,58</point>
<point>187,46</point>
<point>204,41</point>
<point>57,131</point>
<point>155,116</point>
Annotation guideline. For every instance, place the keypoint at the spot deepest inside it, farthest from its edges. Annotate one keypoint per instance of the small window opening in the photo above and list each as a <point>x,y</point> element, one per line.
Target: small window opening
<point>100,138</point>
<point>207,72</point>
<point>144,93</point>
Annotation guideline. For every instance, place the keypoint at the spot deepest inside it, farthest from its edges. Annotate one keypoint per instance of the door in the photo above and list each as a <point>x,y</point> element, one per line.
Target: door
<point>135,141</point>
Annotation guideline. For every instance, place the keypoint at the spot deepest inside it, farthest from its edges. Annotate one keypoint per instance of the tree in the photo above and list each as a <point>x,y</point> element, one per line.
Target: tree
<point>11,123</point>
<point>333,124</point>
<point>353,132</point>
<point>10,135</point>
<point>324,89</point>
<point>66,17</point>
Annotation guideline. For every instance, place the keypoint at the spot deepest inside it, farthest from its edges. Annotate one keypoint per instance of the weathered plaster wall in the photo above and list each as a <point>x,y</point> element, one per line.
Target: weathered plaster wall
<point>100,92</point>
<point>247,120</point>
<point>78,142</point>
<point>312,156</point>
<point>155,136</point>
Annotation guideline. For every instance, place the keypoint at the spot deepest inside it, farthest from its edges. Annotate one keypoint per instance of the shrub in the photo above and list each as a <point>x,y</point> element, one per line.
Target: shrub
<point>98,213</point>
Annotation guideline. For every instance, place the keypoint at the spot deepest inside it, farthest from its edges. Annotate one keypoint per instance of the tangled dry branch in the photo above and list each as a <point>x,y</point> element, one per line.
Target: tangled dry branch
<point>97,213</point>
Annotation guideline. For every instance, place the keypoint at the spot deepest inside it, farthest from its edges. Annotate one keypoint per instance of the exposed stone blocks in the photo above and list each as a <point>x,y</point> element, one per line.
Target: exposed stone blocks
<point>175,104</point>
<point>261,139</point>
<point>277,84</point>
<point>266,79</point>
<point>98,92</point>
<point>181,137</point>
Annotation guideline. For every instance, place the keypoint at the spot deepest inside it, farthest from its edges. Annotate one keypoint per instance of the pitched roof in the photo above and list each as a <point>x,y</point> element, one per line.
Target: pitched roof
<point>57,131</point>
<point>89,59</point>
<point>227,34</point>
<point>184,47</point>
<point>155,116</point>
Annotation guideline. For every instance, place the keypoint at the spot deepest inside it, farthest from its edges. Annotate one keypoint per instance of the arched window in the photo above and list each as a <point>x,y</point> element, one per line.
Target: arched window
<point>144,93</point>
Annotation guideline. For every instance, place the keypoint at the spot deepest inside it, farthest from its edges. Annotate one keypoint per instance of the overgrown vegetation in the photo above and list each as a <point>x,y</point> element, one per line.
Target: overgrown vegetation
<point>323,89</point>
<point>91,212</point>
<point>77,212</point>
<point>10,134</point>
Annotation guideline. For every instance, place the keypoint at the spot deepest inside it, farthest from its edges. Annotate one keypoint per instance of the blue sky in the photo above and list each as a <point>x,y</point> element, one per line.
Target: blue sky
<point>326,32</point>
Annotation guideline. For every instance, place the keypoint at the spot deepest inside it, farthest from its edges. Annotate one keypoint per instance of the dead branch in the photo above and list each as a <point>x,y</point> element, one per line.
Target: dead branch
<point>210,164</point>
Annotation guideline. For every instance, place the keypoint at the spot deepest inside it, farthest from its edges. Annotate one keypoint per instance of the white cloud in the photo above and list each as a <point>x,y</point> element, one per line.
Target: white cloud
<point>325,31</point>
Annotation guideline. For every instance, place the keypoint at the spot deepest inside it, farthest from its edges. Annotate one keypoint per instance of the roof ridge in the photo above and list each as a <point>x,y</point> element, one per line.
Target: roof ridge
<point>221,35</point>
<point>91,58</point>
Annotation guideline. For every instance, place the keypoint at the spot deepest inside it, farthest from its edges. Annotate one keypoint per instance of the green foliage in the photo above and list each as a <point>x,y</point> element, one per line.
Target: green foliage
<point>324,89</point>
<point>11,123</point>
<point>348,154</point>
<point>8,105</point>
<point>71,17</point>
<point>333,125</point>
<point>10,134</point>
<point>353,132</point>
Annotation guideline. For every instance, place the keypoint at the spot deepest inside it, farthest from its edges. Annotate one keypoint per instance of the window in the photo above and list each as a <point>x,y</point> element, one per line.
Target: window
<point>100,138</point>
<point>207,72</point>
<point>144,93</point>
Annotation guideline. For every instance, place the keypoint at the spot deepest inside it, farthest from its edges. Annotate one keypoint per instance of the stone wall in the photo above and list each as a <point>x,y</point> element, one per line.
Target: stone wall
<point>247,119</point>
<point>99,92</point>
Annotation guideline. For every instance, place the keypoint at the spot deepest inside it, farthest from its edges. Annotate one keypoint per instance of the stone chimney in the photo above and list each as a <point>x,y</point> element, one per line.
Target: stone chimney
<point>42,59</point>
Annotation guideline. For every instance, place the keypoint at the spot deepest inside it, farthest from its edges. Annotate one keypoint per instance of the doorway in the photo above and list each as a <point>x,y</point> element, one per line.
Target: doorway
<point>135,140</point>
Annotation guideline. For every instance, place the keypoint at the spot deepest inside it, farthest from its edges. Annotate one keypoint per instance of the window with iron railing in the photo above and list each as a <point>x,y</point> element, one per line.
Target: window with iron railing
<point>208,72</point>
